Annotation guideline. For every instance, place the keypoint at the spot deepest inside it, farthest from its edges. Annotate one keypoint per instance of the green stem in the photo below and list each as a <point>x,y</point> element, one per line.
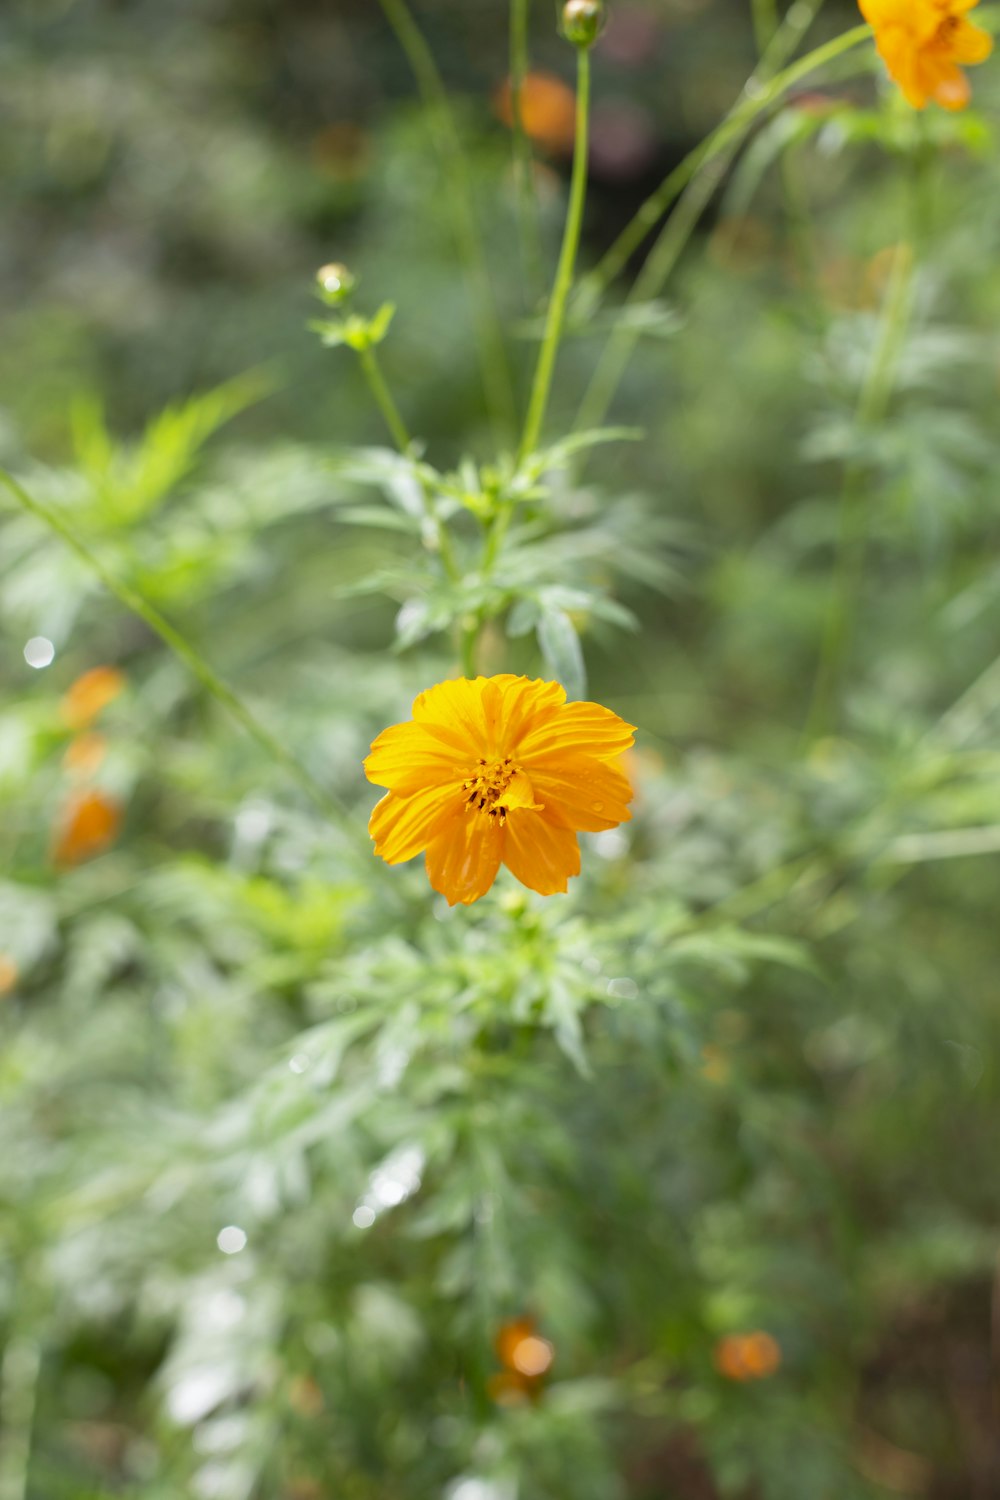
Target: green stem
<point>19,1373</point>
<point>527,215</point>
<point>765,23</point>
<point>384,398</point>
<point>698,177</point>
<point>192,659</point>
<point>392,416</point>
<point>555,317</point>
<point>873,402</point>
<point>492,352</point>
<point>762,90</point>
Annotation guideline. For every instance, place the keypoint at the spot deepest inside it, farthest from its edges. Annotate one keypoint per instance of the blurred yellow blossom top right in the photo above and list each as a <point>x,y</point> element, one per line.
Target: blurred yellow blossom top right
<point>925,43</point>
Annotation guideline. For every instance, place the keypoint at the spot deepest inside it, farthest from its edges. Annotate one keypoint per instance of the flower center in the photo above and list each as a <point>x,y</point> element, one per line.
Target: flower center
<point>487,787</point>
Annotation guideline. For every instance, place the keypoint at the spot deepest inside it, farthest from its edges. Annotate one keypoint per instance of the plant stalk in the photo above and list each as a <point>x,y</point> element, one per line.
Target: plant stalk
<point>556,314</point>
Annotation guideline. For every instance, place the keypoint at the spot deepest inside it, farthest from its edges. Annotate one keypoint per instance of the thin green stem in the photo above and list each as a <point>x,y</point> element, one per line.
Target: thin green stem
<point>492,353</point>
<point>696,180</point>
<point>556,315</point>
<point>763,89</point>
<point>181,647</point>
<point>873,401</point>
<point>765,23</point>
<point>392,416</point>
<point>19,1373</point>
<point>527,207</point>
<point>384,399</point>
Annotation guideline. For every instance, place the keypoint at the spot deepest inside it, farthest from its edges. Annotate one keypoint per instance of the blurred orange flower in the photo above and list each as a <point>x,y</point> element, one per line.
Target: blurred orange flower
<point>747,1356</point>
<point>527,1359</point>
<point>85,754</point>
<point>90,695</point>
<point>548,111</point>
<point>8,974</point>
<point>925,44</point>
<point>88,824</point>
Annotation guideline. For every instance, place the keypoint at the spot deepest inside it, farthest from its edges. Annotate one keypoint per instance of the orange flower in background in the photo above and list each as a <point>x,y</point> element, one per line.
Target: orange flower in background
<point>85,754</point>
<point>90,695</point>
<point>88,825</point>
<point>747,1356</point>
<point>526,1358</point>
<point>548,111</point>
<point>8,974</point>
<point>925,44</point>
<point>498,770</point>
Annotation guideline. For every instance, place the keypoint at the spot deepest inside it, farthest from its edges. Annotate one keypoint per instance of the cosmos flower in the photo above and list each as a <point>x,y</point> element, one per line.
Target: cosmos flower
<point>747,1356</point>
<point>90,694</point>
<point>925,44</point>
<point>497,770</point>
<point>87,826</point>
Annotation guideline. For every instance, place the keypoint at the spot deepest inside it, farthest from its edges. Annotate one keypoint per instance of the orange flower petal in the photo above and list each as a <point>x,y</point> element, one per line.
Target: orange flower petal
<point>90,694</point>
<point>540,854</point>
<point>582,792</point>
<point>405,758</point>
<point>924,44</point>
<point>89,824</point>
<point>463,860</point>
<point>969,44</point>
<point>591,728</point>
<point>404,826</point>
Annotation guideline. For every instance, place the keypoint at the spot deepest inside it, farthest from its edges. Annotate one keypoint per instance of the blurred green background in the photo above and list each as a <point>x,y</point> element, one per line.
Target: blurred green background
<point>287,1146</point>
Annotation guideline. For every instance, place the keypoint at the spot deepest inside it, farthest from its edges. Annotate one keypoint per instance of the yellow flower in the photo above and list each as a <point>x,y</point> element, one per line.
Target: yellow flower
<point>925,43</point>
<point>497,769</point>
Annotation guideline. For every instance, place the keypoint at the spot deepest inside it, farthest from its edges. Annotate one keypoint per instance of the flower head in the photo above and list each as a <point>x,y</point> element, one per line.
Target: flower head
<point>90,694</point>
<point>87,826</point>
<point>925,43</point>
<point>747,1356</point>
<point>497,770</point>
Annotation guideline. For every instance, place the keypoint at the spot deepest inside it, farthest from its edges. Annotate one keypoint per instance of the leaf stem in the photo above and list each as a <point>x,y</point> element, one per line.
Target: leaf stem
<point>556,314</point>
<point>182,648</point>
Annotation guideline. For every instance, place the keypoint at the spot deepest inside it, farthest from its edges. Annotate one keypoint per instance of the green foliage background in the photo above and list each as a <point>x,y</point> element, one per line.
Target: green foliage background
<point>745,1076</point>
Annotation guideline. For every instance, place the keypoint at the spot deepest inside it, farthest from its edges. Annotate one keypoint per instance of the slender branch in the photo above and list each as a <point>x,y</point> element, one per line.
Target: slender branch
<point>762,90</point>
<point>945,843</point>
<point>384,399</point>
<point>556,315</point>
<point>695,180</point>
<point>765,22</point>
<point>181,647</point>
<point>393,419</point>
<point>494,369</point>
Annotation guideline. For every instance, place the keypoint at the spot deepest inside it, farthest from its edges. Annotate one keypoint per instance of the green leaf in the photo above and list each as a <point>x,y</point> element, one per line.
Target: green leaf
<point>560,646</point>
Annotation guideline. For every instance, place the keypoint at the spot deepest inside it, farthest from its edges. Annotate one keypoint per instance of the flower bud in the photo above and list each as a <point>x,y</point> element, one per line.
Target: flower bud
<point>583,21</point>
<point>335,282</point>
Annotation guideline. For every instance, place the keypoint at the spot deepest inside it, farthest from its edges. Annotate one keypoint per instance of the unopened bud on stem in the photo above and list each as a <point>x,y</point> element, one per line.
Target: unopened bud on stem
<point>335,282</point>
<point>583,21</point>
